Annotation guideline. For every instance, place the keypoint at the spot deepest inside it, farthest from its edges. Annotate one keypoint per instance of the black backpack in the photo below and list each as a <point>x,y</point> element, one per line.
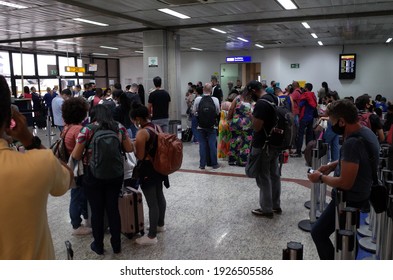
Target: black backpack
<point>107,158</point>
<point>282,134</point>
<point>207,115</point>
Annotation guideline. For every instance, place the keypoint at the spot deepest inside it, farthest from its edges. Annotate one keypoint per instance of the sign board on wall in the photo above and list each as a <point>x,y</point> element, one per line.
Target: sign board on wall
<point>295,65</point>
<point>238,59</point>
<point>153,61</point>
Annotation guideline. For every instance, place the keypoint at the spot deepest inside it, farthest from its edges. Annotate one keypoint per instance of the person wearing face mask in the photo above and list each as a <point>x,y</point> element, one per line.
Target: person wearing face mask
<point>353,174</point>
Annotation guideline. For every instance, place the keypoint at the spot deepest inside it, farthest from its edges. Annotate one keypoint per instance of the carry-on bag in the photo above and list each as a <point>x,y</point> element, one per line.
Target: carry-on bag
<point>131,212</point>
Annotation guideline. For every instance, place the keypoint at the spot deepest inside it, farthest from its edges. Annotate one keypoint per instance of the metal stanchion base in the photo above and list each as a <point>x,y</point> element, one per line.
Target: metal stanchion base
<point>305,225</point>
<point>367,220</point>
<point>367,244</point>
<point>365,231</point>
<point>307,204</point>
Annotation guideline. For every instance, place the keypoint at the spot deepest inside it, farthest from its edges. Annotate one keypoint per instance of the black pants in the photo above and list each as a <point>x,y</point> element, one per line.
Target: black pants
<point>103,196</point>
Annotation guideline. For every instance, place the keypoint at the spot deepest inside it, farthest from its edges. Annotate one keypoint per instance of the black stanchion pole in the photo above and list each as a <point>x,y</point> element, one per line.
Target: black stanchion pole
<point>294,251</point>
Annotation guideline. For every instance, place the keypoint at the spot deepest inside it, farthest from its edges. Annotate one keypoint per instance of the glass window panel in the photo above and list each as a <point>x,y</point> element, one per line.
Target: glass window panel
<point>45,83</point>
<point>101,82</point>
<point>5,68</point>
<point>26,82</point>
<point>66,61</point>
<point>101,67</point>
<point>28,64</point>
<point>43,62</point>
<point>113,70</point>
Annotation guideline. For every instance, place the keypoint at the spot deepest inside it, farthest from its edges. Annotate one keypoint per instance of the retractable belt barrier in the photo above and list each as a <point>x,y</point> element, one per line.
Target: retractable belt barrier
<point>294,251</point>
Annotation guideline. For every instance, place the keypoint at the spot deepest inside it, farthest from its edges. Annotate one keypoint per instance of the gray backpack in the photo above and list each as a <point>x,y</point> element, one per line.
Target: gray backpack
<point>107,159</point>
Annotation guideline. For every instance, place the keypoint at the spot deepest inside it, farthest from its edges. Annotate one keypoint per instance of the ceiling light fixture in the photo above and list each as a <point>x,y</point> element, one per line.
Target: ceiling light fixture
<point>388,40</point>
<point>259,46</point>
<point>90,21</point>
<point>139,51</point>
<point>219,30</point>
<point>320,43</point>
<point>305,24</point>
<point>12,5</point>
<point>314,35</point>
<point>287,4</point>
<point>103,54</point>
<point>11,31</point>
<point>110,48</point>
<point>174,13</point>
<point>65,42</point>
<point>242,39</point>
<point>197,49</point>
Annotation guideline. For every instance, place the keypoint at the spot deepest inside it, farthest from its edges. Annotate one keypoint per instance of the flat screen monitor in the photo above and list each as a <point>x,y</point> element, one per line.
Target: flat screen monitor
<point>347,66</point>
<point>92,67</point>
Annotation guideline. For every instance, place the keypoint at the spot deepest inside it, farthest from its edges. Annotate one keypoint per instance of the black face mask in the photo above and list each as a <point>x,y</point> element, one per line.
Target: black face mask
<point>338,129</point>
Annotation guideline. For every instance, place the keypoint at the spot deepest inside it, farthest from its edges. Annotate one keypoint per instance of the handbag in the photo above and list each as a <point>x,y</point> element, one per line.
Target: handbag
<point>253,165</point>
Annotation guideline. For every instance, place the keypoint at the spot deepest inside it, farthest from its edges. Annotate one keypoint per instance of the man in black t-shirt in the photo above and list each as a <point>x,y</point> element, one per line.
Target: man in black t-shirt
<point>158,105</point>
<point>217,91</point>
<point>268,179</point>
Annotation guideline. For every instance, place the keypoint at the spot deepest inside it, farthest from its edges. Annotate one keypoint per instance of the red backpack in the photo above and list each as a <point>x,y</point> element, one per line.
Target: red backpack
<point>169,154</point>
<point>364,120</point>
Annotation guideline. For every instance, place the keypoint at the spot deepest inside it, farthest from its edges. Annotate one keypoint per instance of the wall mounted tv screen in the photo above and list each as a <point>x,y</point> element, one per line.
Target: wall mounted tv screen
<point>347,66</point>
<point>92,67</point>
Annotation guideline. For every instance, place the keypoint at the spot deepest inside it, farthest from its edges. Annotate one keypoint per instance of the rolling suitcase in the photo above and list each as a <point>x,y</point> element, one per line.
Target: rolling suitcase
<point>131,212</point>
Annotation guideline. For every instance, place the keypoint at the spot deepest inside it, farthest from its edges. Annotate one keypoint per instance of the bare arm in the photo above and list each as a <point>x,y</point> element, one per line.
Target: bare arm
<point>140,143</point>
<point>231,110</point>
<point>77,153</point>
<point>257,124</point>
<point>150,109</point>
<point>127,145</point>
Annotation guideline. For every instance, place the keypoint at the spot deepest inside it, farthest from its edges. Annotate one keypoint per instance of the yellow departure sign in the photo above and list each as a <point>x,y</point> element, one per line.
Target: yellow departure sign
<point>75,69</point>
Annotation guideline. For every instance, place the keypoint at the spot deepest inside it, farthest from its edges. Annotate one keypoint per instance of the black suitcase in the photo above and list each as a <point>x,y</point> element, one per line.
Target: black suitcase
<point>186,135</point>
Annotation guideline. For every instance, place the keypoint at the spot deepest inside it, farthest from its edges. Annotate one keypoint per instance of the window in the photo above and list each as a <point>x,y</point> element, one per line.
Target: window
<point>66,61</point>
<point>5,68</point>
<point>101,67</point>
<point>28,64</point>
<point>43,62</point>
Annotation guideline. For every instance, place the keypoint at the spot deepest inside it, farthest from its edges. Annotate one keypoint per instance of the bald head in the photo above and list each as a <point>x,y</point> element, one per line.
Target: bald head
<point>295,84</point>
<point>207,88</point>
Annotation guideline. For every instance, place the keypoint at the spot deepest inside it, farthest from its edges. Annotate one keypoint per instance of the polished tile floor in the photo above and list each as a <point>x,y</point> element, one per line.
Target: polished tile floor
<point>208,217</point>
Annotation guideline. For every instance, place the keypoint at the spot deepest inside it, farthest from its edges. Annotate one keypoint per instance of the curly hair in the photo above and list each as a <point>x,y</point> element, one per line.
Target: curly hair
<point>74,110</point>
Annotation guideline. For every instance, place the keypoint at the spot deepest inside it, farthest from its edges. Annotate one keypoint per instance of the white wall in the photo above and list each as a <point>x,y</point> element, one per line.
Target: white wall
<point>374,69</point>
<point>131,71</point>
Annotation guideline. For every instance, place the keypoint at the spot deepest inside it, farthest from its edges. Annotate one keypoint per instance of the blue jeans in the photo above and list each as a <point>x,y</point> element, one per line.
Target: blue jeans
<point>194,125</point>
<point>207,137</point>
<point>268,180</point>
<point>163,123</point>
<point>332,139</point>
<point>78,206</point>
<point>304,127</point>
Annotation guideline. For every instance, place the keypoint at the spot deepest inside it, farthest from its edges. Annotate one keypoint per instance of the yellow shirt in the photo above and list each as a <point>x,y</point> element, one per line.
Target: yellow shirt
<point>26,180</point>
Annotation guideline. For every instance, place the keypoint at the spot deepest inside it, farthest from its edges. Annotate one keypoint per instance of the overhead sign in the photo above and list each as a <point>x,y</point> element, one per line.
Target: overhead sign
<point>75,69</point>
<point>239,59</point>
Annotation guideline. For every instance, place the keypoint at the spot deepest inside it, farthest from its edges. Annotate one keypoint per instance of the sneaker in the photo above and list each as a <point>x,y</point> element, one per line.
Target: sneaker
<point>82,230</point>
<point>201,168</point>
<point>216,166</point>
<point>259,212</point>
<point>277,211</point>
<point>159,229</point>
<point>145,240</point>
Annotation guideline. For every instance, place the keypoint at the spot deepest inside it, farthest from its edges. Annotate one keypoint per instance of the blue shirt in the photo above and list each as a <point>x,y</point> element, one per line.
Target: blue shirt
<point>57,102</point>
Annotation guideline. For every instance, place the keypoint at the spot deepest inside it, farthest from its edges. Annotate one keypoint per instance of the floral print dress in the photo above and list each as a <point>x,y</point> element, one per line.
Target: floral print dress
<point>241,133</point>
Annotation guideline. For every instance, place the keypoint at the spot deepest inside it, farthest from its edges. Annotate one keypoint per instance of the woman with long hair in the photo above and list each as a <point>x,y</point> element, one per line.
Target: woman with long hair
<point>102,194</point>
<point>151,181</point>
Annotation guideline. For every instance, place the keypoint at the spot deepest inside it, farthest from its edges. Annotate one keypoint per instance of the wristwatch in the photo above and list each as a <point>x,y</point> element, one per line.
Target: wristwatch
<point>35,143</point>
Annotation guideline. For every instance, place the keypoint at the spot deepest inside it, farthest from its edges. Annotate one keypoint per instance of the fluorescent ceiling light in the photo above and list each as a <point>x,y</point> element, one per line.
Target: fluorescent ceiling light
<point>12,5</point>
<point>90,21</point>
<point>305,24</point>
<point>287,4</point>
<point>139,51</point>
<point>259,46</point>
<point>197,49</point>
<point>314,35</point>
<point>65,42</point>
<point>320,43</point>
<point>173,13</point>
<point>111,48</point>
<point>218,30</point>
<point>242,39</point>
<point>389,40</point>
<point>99,54</point>
<point>12,31</point>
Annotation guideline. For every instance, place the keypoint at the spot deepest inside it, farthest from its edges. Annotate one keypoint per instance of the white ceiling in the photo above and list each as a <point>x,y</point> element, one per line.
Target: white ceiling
<point>336,22</point>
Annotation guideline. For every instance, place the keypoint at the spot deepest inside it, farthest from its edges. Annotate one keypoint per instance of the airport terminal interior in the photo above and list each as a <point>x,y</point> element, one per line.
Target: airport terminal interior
<point>64,43</point>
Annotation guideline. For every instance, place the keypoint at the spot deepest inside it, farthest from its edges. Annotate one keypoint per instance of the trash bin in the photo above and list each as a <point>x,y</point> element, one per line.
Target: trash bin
<point>175,128</point>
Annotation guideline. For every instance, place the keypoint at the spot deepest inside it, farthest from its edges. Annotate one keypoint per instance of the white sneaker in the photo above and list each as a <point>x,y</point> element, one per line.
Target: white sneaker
<point>145,240</point>
<point>82,230</point>
<point>159,229</point>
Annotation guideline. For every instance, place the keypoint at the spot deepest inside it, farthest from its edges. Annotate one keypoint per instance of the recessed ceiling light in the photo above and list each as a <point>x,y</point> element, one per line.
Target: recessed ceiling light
<point>139,51</point>
<point>259,46</point>
<point>174,13</point>
<point>65,42</point>
<point>111,48</point>
<point>197,49</point>
<point>11,31</point>
<point>12,5</point>
<point>320,43</point>
<point>90,21</point>
<point>218,30</point>
<point>242,39</point>
<point>305,24</point>
<point>389,40</point>
<point>287,4</point>
<point>103,54</point>
<point>314,35</point>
